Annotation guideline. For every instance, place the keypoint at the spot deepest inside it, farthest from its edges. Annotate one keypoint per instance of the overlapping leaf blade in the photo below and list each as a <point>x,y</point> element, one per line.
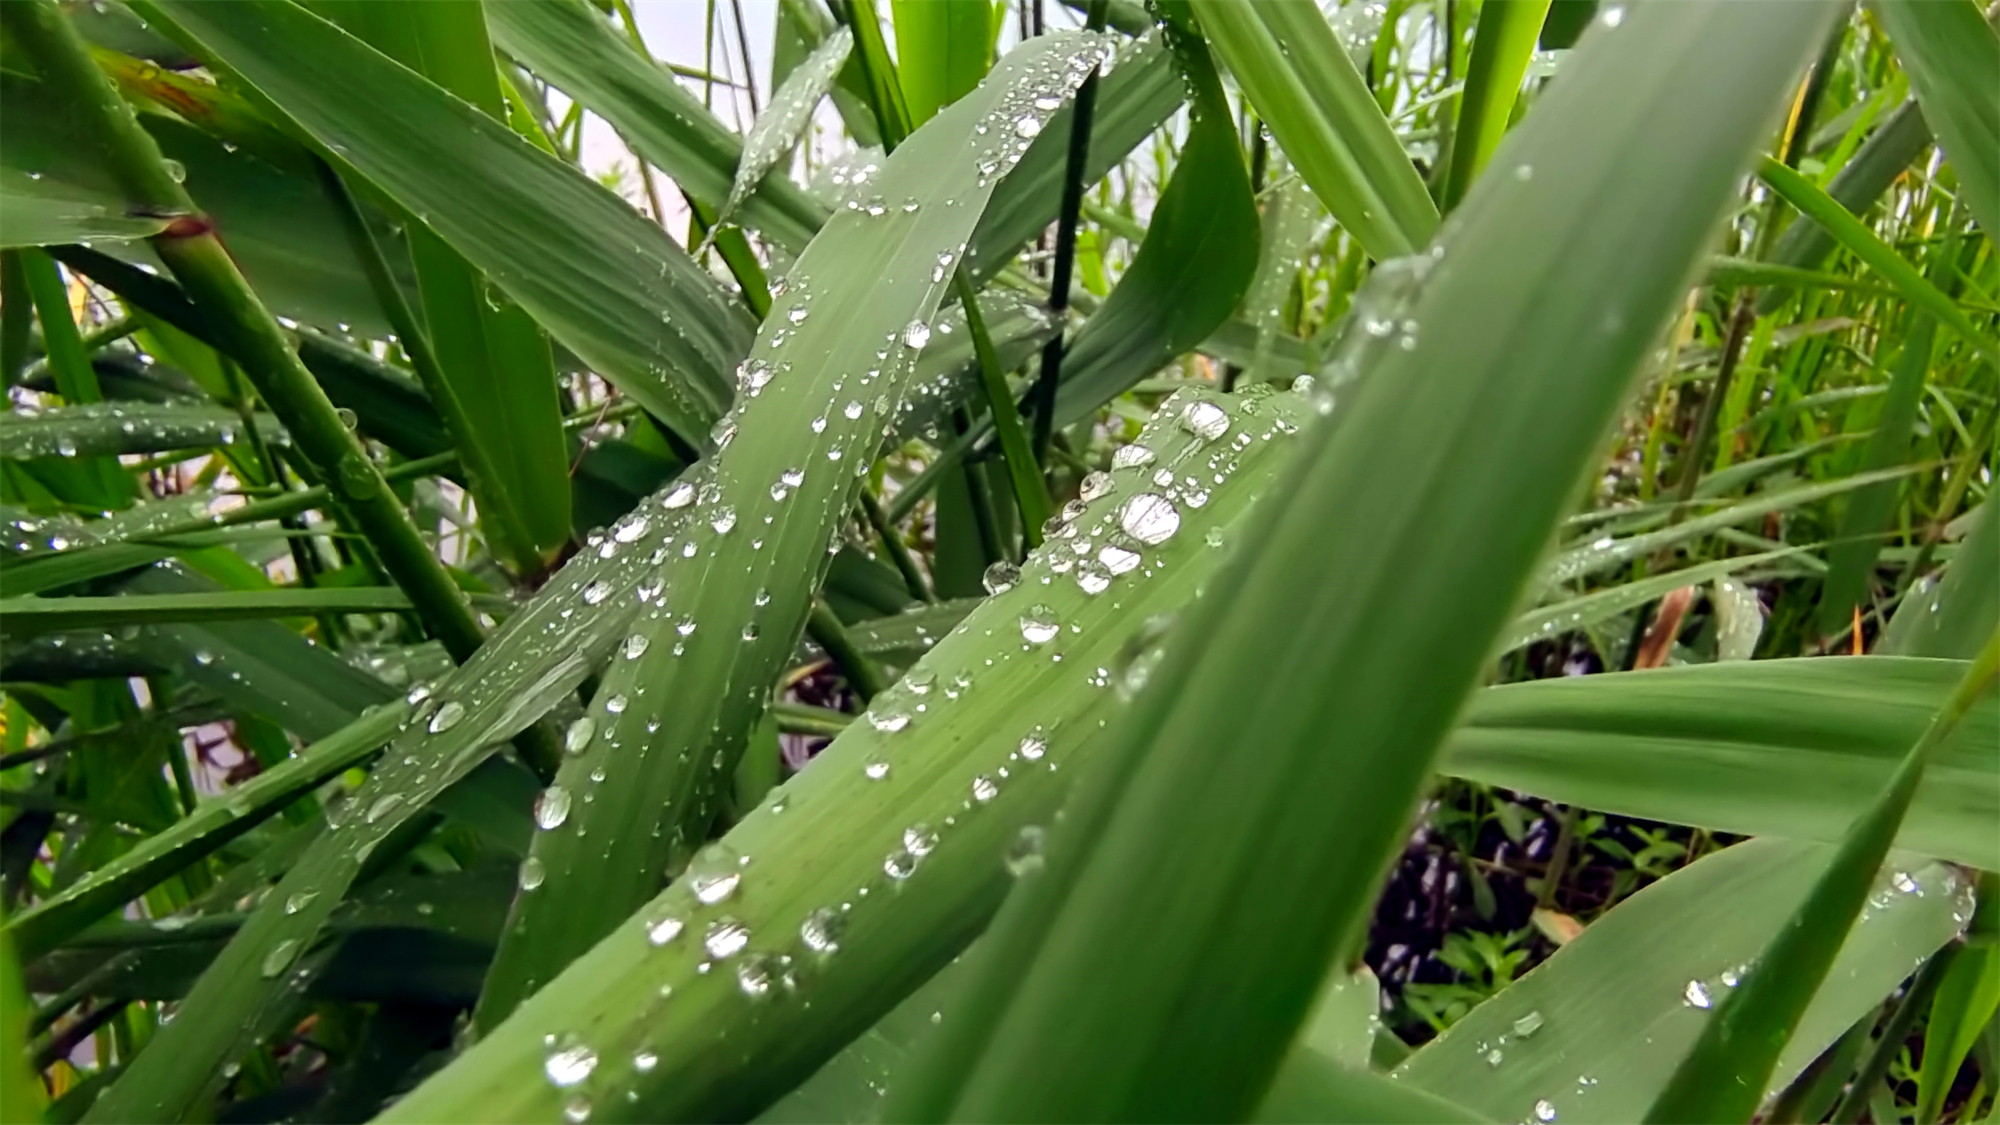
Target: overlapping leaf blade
<point>1119,983</point>
<point>837,358</point>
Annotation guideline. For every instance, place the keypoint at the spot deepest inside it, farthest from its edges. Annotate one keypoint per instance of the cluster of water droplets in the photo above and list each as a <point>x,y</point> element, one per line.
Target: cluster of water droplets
<point>122,427</point>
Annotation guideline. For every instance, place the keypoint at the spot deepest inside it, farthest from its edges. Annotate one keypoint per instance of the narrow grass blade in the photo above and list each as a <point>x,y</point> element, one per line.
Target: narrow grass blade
<point>943,49</point>
<point>845,824</point>
<point>1307,91</point>
<point>727,605</point>
<point>568,43</point>
<point>1190,273</point>
<point>39,210</point>
<point>1725,1074</point>
<point>1774,747</point>
<point>1857,546</point>
<point>1949,617</point>
<point>1123,980</point>
<point>777,130</point>
<point>28,616</point>
<point>1501,46</point>
<point>1890,149</point>
<point>1866,245</point>
<point>123,427</point>
<point>212,825</point>
<point>1599,606</point>
<point>1952,56</point>
<point>1594,1032</point>
<point>1966,1000</point>
<point>614,288</point>
<point>20,1098</point>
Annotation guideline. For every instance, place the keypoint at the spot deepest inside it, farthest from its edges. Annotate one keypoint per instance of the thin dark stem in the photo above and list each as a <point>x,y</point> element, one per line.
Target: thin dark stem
<point>827,632</point>
<point>1050,378</point>
<point>1711,408</point>
<point>1030,495</point>
<point>743,48</point>
<point>895,548</point>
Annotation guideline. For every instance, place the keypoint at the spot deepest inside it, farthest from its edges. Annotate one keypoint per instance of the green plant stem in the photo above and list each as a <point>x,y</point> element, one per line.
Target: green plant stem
<point>1030,494</point>
<point>94,341</point>
<point>828,633</point>
<point>885,93</point>
<point>198,260</point>
<point>67,359</point>
<point>1948,500</point>
<point>299,544</point>
<point>798,718</point>
<point>1696,454</point>
<point>414,338</point>
<point>895,548</point>
<point>1895,1033</point>
<point>1050,377</point>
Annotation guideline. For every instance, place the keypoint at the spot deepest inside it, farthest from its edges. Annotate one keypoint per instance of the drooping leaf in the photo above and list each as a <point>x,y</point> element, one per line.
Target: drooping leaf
<point>614,288</point>
<point>777,130</point>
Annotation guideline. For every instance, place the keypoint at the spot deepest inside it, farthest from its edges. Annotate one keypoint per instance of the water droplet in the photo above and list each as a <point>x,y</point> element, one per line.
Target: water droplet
<point>679,496</point>
<point>723,519</point>
<point>552,808</point>
<point>1131,457</point>
<point>984,789</point>
<point>280,957</point>
<point>300,901</point>
<point>1118,560</point>
<point>1527,1025</point>
<point>635,646</point>
<point>644,1061</point>
<point>1524,172</point>
<point>1204,420</point>
<point>1150,518</point>
<point>570,1065</point>
<point>1095,485</point>
<point>875,770</point>
<point>715,874</point>
<point>755,976</point>
<point>615,705</point>
<point>1545,1110</point>
<point>631,530</point>
<point>916,334</point>
<point>889,722</point>
<point>899,864</point>
<point>532,873</point>
<point>176,171</point>
<point>1034,745</point>
<point>1902,881</point>
<point>596,592</point>
<point>725,938</point>
<point>1027,127</point>
<point>1024,854</point>
<point>664,928</point>
<point>576,1111</point>
<point>1001,577</point>
<point>1695,995</point>
<point>822,929</point>
<point>383,806</point>
<point>1039,625</point>
<point>919,839</point>
<point>577,738</point>
<point>1613,15</point>
<point>1093,579</point>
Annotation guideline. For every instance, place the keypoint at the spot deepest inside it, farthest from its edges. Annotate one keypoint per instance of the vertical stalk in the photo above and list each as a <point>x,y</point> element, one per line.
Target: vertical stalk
<point>827,632</point>
<point>1711,407</point>
<point>893,545</point>
<point>197,259</point>
<point>1050,377</point>
<point>1030,494</point>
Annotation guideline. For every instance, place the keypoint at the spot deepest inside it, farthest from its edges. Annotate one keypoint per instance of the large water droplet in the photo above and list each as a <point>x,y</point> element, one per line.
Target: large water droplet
<point>1095,485</point>
<point>822,929</point>
<point>552,808</point>
<point>1527,1025</point>
<point>889,722</point>
<point>577,739</point>
<point>596,592</point>
<point>1150,518</point>
<point>715,874</point>
<point>1204,420</point>
<point>679,496</point>
<point>1545,1110</point>
<point>1131,457</point>
<point>1695,995</point>
<point>916,334</point>
<point>280,957</point>
<point>1001,577</point>
<point>919,839</point>
<point>1039,625</point>
<point>1034,745</point>
<point>532,873</point>
<point>984,789</point>
<point>447,716</point>
<point>664,928</point>
<point>899,864</point>
<point>725,938</point>
<point>570,1065</point>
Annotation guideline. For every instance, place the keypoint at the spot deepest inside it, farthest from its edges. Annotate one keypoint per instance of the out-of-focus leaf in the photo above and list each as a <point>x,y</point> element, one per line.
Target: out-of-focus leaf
<point>1308,92</point>
<point>778,128</point>
<point>116,428</point>
<point>1593,1033</point>
<point>1502,43</point>
<point>1951,616</point>
<point>943,49</point>
<point>1952,56</point>
<point>614,288</point>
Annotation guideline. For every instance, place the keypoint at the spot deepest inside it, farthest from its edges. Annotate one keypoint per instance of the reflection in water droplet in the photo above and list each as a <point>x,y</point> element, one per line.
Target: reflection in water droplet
<point>577,738</point>
<point>822,929</point>
<point>570,1065</point>
<point>447,717</point>
<point>1001,577</point>
<point>532,873</point>
<point>552,808</point>
<point>1150,518</point>
<point>280,957</point>
<point>1695,995</point>
<point>1204,420</point>
<point>725,938</point>
<point>1039,625</point>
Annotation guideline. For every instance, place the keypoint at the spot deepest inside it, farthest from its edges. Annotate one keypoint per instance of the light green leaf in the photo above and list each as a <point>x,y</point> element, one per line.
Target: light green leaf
<point>784,120</point>
<point>1952,56</point>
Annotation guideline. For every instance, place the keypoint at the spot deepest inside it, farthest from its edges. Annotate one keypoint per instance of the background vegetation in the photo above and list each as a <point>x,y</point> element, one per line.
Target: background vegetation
<point>1412,560</point>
